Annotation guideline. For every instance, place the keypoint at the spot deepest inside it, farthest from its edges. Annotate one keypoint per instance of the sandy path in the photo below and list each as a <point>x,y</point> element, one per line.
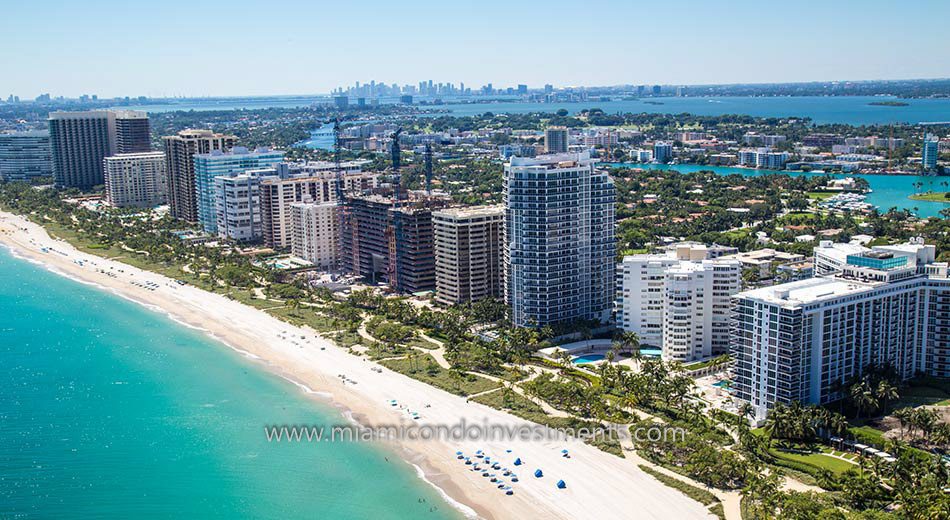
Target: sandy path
<point>599,485</point>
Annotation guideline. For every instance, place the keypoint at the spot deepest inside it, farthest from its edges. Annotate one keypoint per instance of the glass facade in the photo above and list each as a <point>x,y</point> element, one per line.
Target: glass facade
<point>218,164</point>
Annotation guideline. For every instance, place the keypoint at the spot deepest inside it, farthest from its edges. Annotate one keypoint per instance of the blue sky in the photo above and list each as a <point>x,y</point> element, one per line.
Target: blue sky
<point>238,47</point>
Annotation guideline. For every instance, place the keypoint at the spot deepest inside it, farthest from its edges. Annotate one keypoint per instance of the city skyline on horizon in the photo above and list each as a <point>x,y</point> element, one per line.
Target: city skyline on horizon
<point>144,52</point>
<point>474,88</point>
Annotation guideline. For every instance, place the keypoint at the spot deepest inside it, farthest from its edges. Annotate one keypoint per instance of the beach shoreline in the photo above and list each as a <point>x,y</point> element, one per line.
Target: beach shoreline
<point>599,485</point>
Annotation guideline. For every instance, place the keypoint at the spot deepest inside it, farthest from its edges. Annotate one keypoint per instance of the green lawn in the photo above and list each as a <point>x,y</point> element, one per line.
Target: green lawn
<point>932,196</point>
<point>924,391</point>
<point>816,459</point>
<point>820,195</point>
<point>425,369</point>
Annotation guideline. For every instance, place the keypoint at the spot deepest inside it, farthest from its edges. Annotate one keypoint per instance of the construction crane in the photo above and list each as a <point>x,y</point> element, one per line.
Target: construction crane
<point>394,229</point>
<point>428,163</point>
<point>343,219</point>
<point>396,163</point>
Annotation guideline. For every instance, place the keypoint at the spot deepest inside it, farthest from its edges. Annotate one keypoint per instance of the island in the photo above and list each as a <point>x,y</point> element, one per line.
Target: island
<point>932,196</point>
<point>888,104</point>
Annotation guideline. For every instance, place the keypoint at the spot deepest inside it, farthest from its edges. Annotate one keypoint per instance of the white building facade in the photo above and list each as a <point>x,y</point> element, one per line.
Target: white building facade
<point>238,205</point>
<point>136,180</point>
<point>805,340</point>
<point>315,232</point>
<point>678,301</point>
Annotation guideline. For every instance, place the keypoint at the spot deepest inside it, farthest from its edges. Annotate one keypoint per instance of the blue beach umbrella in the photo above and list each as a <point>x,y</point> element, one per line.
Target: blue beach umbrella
<point>561,484</point>
<point>538,473</point>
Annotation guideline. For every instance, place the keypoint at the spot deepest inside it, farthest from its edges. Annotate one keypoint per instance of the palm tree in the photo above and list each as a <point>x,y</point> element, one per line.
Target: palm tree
<point>863,397</point>
<point>628,340</point>
<point>904,418</point>
<point>886,392</point>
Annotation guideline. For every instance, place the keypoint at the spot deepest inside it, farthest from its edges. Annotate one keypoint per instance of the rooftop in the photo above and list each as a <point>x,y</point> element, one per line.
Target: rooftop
<point>467,212</point>
<point>802,292</point>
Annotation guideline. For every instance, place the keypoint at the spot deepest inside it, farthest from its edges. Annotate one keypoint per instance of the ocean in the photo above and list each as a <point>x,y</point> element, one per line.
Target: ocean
<point>112,410</point>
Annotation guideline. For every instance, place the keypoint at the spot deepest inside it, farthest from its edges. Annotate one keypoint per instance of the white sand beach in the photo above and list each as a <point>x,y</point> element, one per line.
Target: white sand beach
<point>599,485</point>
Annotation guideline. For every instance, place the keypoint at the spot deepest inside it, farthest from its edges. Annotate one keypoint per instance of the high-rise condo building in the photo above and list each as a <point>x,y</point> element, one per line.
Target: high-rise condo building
<point>180,151</point>
<point>25,155</point>
<point>136,179</point>
<point>225,164</point>
<point>930,150</point>
<point>468,244</point>
<point>298,182</point>
<point>662,152</point>
<point>238,204</point>
<point>79,141</point>
<point>806,340</point>
<point>559,239</point>
<point>556,139</point>
<point>383,240</point>
<point>679,301</point>
<point>315,234</point>
<point>132,132</point>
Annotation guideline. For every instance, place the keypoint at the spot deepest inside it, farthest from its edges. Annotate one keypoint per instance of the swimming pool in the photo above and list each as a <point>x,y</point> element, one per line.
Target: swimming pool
<point>587,358</point>
<point>651,352</point>
<point>723,383</point>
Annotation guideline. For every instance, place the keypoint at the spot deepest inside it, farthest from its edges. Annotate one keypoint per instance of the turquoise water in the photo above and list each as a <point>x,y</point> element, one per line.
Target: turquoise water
<point>853,110</point>
<point>724,383</point>
<point>887,191</point>
<point>651,352</point>
<point>109,410</point>
<point>587,358</point>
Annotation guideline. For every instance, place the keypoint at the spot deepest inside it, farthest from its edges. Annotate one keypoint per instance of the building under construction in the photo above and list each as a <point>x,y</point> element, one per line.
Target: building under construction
<point>388,240</point>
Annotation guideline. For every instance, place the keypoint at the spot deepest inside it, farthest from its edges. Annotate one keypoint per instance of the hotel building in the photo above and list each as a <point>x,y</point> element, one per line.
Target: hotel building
<point>559,239</point>
<point>136,179</point>
<point>468,244</point>
<point>132,132</point>
<point>180,151</point>
<point>79,141</point>
<point>803,341</point>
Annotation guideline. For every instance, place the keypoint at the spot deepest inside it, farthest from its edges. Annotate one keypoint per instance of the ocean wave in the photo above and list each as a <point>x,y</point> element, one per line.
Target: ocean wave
<point>462,508</point>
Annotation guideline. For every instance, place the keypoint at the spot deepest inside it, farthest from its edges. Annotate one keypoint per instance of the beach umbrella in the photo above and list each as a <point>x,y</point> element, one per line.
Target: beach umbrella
<point>518,461</point>
<point>538,473</point>
<point>563,451</point>
<point>561,484</point>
